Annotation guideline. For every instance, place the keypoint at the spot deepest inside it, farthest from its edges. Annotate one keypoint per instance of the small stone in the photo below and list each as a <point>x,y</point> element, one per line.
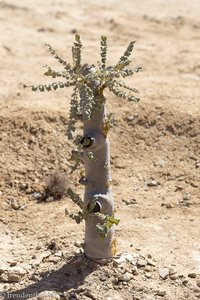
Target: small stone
<point>54,259</point>
<point>161,293</point>
<point>186,197</point>
<point>135,270</point>
<point>14,204</point>
<point>12,274</point>
<point>151,262</point>
<point>169,205</point>
<point>48,295</point>
<point>192,275</point>
<point>78,244</point>
<point>185,281</point>
<point>35,277</point>
<point>126,277</point>
<point>36,195</point>
<point>129,118</point>
<point>147,268</point>
<point>148,275</point>
<point>123,258</point>
<point>198,282</point>
<point>141,263</point>
<point>13,263</point>
<point>59,253</point>
<point>152,183</point>
<point>173,277</point>
<point>163,273</point>
<point>50,199</point>
<point>172,271</point>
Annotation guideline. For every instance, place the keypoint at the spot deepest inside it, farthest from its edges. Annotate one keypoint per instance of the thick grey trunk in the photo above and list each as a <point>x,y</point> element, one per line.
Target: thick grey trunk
<point>97,183</point>
<point>98,178</point>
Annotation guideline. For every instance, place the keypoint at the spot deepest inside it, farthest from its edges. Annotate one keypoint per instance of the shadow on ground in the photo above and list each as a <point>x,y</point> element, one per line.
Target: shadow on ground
<point>70,276</point>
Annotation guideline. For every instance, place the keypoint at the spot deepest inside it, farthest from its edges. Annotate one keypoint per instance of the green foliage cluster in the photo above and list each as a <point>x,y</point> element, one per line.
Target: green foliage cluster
<point>85,100</point>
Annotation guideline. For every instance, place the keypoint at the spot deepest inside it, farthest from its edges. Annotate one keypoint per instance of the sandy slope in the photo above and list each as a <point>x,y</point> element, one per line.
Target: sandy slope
<point>157,139</point>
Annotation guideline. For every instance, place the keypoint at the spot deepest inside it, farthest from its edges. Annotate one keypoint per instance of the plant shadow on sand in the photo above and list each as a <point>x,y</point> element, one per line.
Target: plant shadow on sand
<point>70,276</point>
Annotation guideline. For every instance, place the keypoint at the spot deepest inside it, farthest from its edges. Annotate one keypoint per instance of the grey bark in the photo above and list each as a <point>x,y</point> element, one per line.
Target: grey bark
<point>97,179</point>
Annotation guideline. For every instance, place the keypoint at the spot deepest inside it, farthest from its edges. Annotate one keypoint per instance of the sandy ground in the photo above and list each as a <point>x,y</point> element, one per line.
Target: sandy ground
<point>157,140</point>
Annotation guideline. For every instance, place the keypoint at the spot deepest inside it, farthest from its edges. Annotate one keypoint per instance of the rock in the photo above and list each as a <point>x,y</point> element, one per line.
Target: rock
<point>169,205</point>
<point>50,199</point>
<point>186,197</point>
<point>147,268</point>
<point>161,293</point>
<point>59,253</point>
<point>54,259</point>
<point>36,195</point>
<point>45,254</point>
<point>125,277</point>
<point>185,281</point>
<point>129,118</point>
<point>135,270</point>
<point>151,262</point>
<point>51,245</point>
<point>129,257</point>
<point>3,268</point>
<point>35,277</point>
<point>141,262</point>
<point>121,259</point>
<point>12,274</point>
<point>172,271</point>
<point>160,162</point>
<point>14,204</point>
<point>198,282</point>
<point>173,277</point>
<point>152,183</point>
<point>192,275</point>
<point>129,201</point>
<point>163,273</point>
<point>48,295</point>
<point>78,244</point>
<point>148,275</point>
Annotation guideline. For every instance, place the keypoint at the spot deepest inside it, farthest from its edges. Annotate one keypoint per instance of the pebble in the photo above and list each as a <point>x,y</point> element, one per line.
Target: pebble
<point>35,277</point>
<point>148,275</point>
<point>125,277</point>
<point>12,274</point>
<point>198,282</point>
<point>54,259</point>
<point>59,253</point>
<point>185,281</point>
<point>151,262</point>
<point>135,270</point>
<point>147,268</point>
<point>152,183</point>
<point>172,271</point>
<point>48,295</point>
<point>163,273</point>
<point>161,293</point>
<point>173,277</point>
<point>141,263</point>
<point>50,199</point>
<point>192,275</point>
<point>120,260</point>
<point>14,204</point>
<point>78,244</point>
<point>36,195</point>
<point>45,254</point>
<point>169,205</point>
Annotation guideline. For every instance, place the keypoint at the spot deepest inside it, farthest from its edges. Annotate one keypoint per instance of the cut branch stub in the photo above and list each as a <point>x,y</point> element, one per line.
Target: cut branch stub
<point>87,141</point>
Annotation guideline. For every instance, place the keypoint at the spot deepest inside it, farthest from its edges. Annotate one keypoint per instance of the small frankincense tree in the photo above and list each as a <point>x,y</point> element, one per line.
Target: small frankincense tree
<point>88,104</point>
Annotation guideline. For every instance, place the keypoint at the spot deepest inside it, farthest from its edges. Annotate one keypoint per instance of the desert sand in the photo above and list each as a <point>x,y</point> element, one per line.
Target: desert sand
<point>155,151</point>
